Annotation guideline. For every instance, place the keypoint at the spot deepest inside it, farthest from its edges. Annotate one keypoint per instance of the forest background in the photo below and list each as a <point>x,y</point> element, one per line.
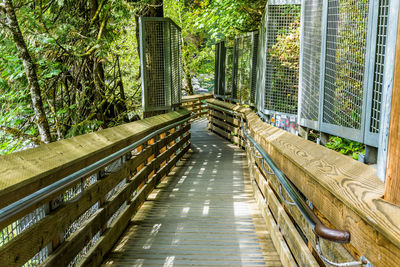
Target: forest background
<point>69,67</point>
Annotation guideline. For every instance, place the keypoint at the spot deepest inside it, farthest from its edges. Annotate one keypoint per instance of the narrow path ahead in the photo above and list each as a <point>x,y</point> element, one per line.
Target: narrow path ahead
<point>204,215</point>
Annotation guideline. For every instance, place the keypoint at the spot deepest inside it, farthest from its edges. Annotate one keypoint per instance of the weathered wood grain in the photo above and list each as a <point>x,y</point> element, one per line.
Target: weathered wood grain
<point>27,171</point>
<point>333,251</point>
<point>224,134</point>
<point>293,239</point>
<point>345,191</point>
<point>96,254</point>
<point>225,117</point>
<point>190,98</point>
<point>226,126</point>
<point>32,240</point>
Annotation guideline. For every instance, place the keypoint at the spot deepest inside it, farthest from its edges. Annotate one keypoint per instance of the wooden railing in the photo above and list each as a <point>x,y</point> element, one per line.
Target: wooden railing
<point>344,194</point>
<point>196,104</point>
<point>81,223</point>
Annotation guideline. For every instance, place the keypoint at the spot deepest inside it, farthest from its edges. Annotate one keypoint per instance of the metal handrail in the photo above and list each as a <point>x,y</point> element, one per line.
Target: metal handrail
<point>50,190</point>
<point>339,236</point>
<point>321,230</point>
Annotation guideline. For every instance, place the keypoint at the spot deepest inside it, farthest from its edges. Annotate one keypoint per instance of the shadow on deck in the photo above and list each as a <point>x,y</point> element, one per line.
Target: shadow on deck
<point>202,214</point>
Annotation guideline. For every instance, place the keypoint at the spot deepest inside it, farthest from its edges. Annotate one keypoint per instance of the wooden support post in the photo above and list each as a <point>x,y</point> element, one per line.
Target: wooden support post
<point>392,184</point>
<point>151,142</point>
<point>172,143</point>
<point>163,149</point>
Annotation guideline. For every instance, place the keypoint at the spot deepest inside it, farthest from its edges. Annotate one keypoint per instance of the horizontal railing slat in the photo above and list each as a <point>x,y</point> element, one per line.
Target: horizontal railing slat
<point>97,253</point>
<point>345,193</point>
<point>27,171</point>
<point>68,249</point>
<point>26,244</point>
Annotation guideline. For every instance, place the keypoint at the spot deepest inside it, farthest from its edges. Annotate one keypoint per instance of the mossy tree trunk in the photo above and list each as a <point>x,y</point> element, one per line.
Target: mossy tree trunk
<point>30,71</point>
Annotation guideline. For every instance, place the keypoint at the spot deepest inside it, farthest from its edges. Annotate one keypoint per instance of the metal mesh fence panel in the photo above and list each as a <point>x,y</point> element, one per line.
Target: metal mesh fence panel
<point>154,50</point>
<point>235,60</point>
<point>345,62</point>
<point>311,57</point>
<point>228,71</point>
<point>244,49</point>
<point>253,77</point>
<point>176,63</point>
<point>219,69</point>
<point>282,70</point>
<point>379,65</point>
<point>161,63</point>
<point>261,62</point>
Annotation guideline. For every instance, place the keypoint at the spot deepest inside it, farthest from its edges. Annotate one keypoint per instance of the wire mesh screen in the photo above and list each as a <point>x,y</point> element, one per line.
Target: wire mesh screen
<point>345,62</point>
<point>282,69</point>
<point>219,69</point>
<point>311,57</point>
<point>176,63</point>
<point>160,55</point>
<point>154,51</point>
<point>235,60</point>
<point>243,76</point>
<point>379,65</point>
<point>228,69</point>
<point>253,74</point>
<point>15,228</point>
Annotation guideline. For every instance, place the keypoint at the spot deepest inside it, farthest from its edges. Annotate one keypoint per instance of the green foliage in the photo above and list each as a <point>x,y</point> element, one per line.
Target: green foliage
<point>204,23</point>
<point>346,146</point>
<point>71,49</point>
<point>77,58</point>
<point>284,56</point>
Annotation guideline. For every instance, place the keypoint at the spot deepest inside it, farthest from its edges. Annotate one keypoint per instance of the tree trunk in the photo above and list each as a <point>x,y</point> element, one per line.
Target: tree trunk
<point>188,77</point>
<point>155,10</point>
<point>30,70</point>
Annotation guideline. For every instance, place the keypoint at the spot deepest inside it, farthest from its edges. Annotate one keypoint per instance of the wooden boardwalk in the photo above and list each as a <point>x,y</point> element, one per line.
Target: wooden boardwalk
<point>201,215</point>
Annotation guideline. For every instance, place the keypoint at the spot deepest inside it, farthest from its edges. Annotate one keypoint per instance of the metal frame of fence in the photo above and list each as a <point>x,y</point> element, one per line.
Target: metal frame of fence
<point>229,75</point>
<point>346,64</point>
<point>351,72</point>
<point>276,101</point>
<point>281,84</point>
<point>160,61</point>
<point>345,69</point>
<point>387,87</point>
<point>245,61</point>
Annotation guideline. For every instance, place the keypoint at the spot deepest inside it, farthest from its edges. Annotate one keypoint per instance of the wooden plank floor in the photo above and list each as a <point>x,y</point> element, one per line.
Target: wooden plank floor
<point>203,215</point>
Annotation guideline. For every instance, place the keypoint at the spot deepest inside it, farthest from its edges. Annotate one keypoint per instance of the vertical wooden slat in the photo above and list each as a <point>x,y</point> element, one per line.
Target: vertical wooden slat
<point>392,184</point>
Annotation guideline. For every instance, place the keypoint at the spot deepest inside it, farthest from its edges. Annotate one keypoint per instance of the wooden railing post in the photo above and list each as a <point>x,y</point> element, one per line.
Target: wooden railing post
<point>392,184</point>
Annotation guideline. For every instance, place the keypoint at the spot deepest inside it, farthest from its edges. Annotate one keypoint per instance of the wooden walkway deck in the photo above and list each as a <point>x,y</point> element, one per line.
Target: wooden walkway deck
<point>203,215</point>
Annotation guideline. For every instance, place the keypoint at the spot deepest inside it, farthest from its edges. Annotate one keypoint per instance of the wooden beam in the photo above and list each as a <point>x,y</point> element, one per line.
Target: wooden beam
<point>27,171</point>
<point>346,192</point>
<point>392,184</point>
